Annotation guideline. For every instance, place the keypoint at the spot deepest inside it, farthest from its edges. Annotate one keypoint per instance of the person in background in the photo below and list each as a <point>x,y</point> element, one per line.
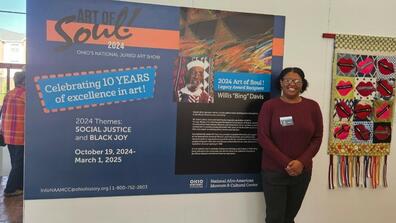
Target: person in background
<point>290,130</point>
<point>12,126</point>
<point>193,91</point>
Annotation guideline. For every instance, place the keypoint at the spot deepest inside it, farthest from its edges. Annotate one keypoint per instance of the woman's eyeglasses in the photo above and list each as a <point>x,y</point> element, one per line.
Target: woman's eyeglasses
<point>292,81</point>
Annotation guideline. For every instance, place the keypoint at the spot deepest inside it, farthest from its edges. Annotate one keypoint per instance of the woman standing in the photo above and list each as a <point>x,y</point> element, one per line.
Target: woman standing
<point>290,130</point>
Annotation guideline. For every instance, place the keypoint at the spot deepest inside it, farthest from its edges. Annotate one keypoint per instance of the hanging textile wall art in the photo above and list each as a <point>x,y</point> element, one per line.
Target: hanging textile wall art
<point>363,84</point>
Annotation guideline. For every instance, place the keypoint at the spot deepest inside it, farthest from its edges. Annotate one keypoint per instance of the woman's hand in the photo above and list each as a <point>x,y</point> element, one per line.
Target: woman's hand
<point>294,168</point>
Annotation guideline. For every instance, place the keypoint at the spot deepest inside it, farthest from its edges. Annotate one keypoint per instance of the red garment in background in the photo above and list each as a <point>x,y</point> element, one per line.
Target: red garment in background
<point>13,116</point>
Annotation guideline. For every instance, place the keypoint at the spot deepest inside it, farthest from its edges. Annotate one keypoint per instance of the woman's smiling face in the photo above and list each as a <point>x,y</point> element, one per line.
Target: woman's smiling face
<point>291,85</point>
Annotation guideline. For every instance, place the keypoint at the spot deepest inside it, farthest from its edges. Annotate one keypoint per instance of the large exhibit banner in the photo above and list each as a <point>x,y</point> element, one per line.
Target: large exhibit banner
<point>135,99</point>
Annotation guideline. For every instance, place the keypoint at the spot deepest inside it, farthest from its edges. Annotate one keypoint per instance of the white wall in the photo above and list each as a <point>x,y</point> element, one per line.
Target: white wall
<point>306,20</point>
